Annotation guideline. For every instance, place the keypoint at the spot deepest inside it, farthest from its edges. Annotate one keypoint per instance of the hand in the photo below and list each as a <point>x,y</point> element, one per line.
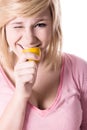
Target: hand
<point>25,74</point>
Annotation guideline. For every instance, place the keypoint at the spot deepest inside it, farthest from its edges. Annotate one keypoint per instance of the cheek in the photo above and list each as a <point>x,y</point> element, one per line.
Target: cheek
<point>11,37</point>
<point>45,36</point>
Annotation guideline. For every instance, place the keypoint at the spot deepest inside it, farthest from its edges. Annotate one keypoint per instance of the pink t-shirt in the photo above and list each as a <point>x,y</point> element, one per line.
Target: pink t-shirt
<point>69,109</point>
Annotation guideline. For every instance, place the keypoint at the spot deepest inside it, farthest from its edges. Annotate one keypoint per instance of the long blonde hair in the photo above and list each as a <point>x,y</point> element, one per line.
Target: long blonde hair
<point>10,9</point>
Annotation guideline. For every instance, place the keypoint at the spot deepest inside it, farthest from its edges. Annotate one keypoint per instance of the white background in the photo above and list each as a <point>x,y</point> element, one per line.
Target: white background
<point>74,27</point>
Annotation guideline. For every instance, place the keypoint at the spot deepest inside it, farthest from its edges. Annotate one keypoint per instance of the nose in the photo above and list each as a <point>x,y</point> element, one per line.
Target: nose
<point>28,38</point>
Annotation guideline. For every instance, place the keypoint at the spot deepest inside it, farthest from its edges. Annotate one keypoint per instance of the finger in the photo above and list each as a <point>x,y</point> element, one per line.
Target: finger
<point>25,65</point>
<point>29,57</point>
<point>26,71</point>
<point>25,79</point>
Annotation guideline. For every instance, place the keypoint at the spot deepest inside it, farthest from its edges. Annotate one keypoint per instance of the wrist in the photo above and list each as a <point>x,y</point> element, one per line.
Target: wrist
<point>21,97</point>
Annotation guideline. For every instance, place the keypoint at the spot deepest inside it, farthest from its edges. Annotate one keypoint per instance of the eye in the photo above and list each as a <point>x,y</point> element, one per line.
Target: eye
<point>18,26</point>
<point>40,25</point>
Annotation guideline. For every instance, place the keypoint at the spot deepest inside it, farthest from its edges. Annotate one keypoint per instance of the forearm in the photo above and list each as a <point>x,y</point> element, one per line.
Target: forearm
<point>14,114</point>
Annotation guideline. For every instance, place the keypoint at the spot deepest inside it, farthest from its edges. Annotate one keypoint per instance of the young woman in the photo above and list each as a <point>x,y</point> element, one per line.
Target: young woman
<point>50,94</point>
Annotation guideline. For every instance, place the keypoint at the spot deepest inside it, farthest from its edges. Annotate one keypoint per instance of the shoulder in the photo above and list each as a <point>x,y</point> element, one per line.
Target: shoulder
<point>5,85</point>
<point>1,72</point>
<point>77,67</point>
<point>2,76</point>
<point>75,61</point>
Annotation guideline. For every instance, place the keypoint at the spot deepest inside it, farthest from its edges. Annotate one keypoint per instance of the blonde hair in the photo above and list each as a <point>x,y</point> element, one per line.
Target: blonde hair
<point>10,9</point>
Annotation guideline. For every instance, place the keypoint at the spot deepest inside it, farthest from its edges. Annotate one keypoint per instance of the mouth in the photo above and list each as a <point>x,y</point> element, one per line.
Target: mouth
<point>38,45</point>
<point>20,46</point>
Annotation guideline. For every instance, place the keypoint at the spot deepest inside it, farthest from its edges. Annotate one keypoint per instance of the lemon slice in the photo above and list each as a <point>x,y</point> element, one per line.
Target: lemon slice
<point>35,50</point>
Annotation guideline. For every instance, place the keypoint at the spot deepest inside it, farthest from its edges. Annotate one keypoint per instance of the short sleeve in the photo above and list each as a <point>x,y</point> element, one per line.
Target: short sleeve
<point>80,72</point>
<point>83,96</point>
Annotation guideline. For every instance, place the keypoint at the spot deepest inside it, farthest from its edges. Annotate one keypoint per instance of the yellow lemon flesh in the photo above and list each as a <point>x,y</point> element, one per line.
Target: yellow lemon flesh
<point>35,50</point>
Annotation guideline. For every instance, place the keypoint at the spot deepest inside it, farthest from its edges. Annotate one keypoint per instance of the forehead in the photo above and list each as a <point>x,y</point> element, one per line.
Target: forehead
<point>45,15</point>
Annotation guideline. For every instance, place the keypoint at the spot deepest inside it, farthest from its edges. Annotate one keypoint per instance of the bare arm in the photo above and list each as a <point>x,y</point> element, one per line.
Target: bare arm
<point>14,114</point>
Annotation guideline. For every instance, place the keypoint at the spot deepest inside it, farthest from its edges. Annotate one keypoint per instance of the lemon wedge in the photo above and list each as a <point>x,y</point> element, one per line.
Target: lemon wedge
<point>35,50</point>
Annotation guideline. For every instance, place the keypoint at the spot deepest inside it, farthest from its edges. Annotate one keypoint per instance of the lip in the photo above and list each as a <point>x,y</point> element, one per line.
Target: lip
<point>20,46</point>
<point>38,45</point>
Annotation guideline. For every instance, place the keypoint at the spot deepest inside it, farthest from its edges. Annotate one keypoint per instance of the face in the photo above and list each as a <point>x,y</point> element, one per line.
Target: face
<point>22,33</point>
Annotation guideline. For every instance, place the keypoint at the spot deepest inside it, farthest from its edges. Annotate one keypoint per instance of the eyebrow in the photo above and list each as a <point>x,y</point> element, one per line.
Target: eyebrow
<point>43,19</point>
<point>16,23</point>
<point>37,20</point>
